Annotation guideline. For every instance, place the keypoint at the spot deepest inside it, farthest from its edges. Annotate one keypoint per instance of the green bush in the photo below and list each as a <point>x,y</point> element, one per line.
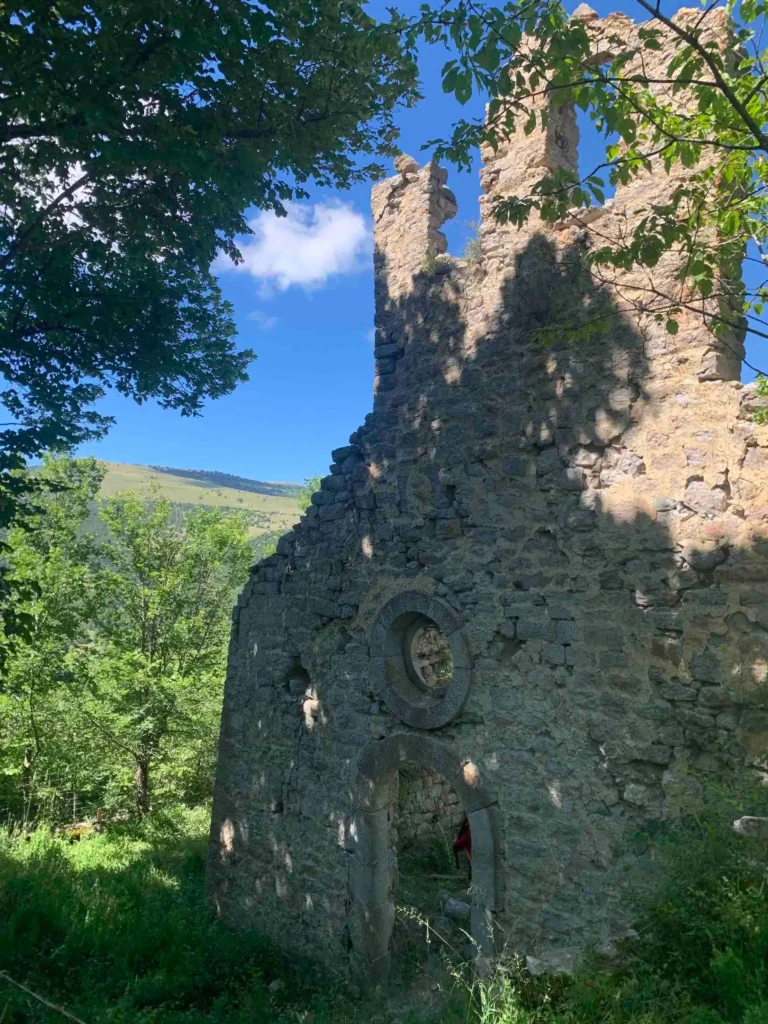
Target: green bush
<point>702,952</point>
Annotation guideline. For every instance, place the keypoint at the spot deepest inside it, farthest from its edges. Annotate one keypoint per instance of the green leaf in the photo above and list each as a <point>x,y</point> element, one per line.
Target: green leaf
<point>450,78</point>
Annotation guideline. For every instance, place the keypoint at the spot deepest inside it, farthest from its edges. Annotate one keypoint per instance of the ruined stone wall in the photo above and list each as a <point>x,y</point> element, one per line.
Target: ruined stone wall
<point>425,806</point>
<point>588,528</point>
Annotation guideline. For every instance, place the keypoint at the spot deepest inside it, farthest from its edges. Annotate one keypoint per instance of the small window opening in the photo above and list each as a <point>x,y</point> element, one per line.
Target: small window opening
<point>591,153</point>
<point>296,681</point>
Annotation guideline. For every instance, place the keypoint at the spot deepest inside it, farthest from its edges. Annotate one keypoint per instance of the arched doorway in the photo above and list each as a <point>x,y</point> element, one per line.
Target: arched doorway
<point>373,908</point>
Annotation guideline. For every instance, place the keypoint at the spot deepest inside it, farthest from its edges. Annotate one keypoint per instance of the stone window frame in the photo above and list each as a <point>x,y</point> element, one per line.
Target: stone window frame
<point>413,704</point>
<point>372,914</point>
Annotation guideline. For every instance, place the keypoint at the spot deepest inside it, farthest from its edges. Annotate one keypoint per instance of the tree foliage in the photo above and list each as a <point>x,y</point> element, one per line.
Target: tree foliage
<point>311,484</point>
<point>123,673</point>
<point>706,111</point>
<point>133,138</point>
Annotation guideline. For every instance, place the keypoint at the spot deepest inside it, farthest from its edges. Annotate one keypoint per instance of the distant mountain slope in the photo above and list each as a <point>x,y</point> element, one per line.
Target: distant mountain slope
<point>269,513</point>
<point>212,478</point>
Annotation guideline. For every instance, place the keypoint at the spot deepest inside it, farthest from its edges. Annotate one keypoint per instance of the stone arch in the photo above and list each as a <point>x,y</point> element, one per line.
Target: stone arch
<point>373,911</point>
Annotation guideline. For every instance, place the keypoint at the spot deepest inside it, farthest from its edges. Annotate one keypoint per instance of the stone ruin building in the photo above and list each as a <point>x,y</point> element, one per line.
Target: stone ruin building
<point>535,573</point>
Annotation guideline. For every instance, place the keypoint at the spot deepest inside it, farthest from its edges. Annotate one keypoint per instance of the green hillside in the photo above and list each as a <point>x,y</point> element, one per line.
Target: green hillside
<point>271,508</point>
<point>214,479</point>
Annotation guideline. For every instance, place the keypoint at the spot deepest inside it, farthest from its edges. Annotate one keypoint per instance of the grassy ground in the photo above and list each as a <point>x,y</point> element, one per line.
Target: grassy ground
<point>276,513</point>
<point>115,928</point>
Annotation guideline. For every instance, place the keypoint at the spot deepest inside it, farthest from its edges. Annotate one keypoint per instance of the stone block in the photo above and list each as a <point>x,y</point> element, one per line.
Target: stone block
<point>517,467</point>
<point>706,668</point>
<point>517,602</point>
<point>704,557</point>
<point>714,697</point>
<point>639,795</point>
<point>553,654</point>
<point>664,618</point>
<point>508,629</point>
<point>448,529</point>
<point>535,628</point>
<point>371,928</point>
<point>667,648</point>
<point>577,656</point>
<point>755,828</point>
<point>655,753</point>
<point>695,717</point>
<point>573,479</point>
<point>713,597</point>
<point>568,632</point>
<point>386,350</point>
<point>671,735</point>
<point>581,521</point>
<point>487,863</point>
<point>371,883</point>
<point>706,500</point>
<point>559,610</point>
<point>483,931</point>
<point>343,453</point>
<point>678,692</point>
<point>369,836</point>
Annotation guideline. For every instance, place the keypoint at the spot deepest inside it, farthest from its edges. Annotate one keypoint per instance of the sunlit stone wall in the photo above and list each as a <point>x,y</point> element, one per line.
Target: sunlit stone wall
<point>588,528</point>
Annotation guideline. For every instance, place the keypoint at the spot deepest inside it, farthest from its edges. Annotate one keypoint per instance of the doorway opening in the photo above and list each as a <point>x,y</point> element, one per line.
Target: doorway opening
<point>411,788</point>
<point>432,881</point>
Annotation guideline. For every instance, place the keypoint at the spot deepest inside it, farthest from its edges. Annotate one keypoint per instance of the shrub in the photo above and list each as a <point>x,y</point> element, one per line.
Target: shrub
<point>702,952</point>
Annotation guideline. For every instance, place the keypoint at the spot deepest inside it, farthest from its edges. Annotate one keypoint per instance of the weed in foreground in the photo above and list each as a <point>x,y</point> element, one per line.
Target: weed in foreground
<point>115,928</point>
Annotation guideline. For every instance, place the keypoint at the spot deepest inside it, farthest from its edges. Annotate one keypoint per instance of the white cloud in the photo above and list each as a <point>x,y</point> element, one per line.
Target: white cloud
<point>262,320</point>
<point>370,336</point>
<point>311,244</point>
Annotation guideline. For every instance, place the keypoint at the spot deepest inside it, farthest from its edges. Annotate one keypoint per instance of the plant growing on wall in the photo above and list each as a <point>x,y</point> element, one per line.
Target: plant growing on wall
<point>705,108</point>
<point>311,484</point>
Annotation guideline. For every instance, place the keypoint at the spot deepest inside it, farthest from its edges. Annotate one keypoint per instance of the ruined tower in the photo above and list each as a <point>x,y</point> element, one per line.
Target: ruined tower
<point>537,573</point>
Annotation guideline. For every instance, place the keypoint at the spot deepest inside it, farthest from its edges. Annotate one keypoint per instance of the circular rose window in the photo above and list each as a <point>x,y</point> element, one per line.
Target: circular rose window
<point>421,662</point>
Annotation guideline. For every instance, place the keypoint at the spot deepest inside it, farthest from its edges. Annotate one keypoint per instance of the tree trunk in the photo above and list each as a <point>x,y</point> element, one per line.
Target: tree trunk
<point>27,783</point>
<point>141,783</point>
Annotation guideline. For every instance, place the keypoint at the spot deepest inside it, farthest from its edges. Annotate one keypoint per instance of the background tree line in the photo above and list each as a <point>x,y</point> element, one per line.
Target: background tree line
<point>116,693</point>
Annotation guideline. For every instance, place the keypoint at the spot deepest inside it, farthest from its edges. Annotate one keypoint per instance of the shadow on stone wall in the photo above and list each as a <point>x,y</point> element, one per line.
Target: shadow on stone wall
<point>517,469</point>
<point>619,630</point>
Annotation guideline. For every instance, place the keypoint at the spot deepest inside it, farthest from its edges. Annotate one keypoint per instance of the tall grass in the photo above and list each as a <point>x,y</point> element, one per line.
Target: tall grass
<point>702,952</point>
<point>115,928</point>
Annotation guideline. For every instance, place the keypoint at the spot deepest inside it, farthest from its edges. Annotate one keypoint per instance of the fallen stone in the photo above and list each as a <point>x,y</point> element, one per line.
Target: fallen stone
<point>456,908</point>
<point>755,828</point>
<point>554,961</point>
<point>441,925</point>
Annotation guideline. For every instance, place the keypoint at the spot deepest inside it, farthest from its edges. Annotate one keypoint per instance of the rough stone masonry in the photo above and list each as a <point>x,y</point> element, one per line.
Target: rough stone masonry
<point>537,572</point>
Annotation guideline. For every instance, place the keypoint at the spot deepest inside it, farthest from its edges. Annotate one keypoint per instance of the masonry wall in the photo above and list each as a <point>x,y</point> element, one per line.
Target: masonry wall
<point>594,520</point>
<point>425,806</point>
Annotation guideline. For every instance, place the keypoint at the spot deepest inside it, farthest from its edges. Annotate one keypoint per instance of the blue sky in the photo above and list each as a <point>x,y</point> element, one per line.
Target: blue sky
<point>304,302</point>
